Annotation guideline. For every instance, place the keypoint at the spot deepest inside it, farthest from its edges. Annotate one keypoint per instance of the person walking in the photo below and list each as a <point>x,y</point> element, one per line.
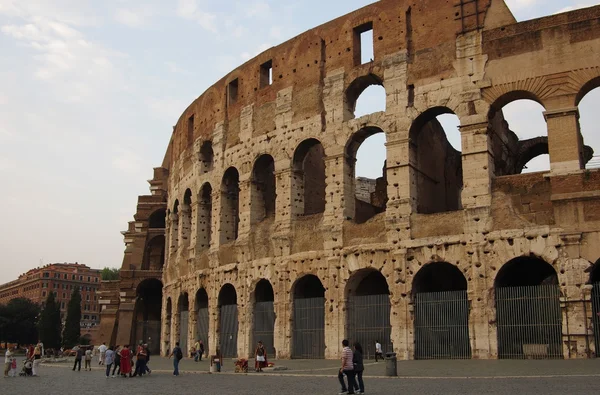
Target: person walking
<point>178,356</point>
<point>347,369</point>
<point>37,358</point>
<point>197,350</point>
<point>88,359</point>
<point>117,361</point>
<point>200,351</point>
<point>8,356</point>
<point>140,361</point>
<point>109,358</point>
<point>378,350</point>
<point>260,357</point>
<point>147,358</point>
<point>359,368</point>
<point>78,355</point>
<point>102,349</point>
<point>217,360</point>
<point>126,361</point>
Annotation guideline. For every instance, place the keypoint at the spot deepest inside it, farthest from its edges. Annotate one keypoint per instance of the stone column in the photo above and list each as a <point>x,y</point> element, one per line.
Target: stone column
<point>481,303</point>
<point>192,319</point>
<point>286,210</point>
<point>401,189</point>
<point>401,314</point>
<point>564,140</point>
<point>184,226</point>
<point>213,321</point>
<point>173,229</point>
<point>283,314</point>
<point>244,200</point>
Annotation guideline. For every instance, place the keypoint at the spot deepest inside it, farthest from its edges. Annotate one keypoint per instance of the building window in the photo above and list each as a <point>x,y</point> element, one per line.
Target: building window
<point>80,278</point>
<point>89,279</point>
<point>96,279</point>
<point>87,297</point>
<point>363,44</point>
<point>94,317</point>
<point>232,91</point>
<point>64,295</point>
<point>266,74</point>
<point>46,274</point>
<point>66,276</point>
<point>72,277</point>
<point>62,305</point>
<point>43,293</point>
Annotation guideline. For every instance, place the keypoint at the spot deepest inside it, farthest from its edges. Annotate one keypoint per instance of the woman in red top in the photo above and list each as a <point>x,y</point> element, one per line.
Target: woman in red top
<point>125,361</point>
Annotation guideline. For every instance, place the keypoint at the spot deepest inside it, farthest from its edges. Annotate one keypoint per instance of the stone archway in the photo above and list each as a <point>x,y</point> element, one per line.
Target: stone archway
<point>528,314</point>
<point>147,324</point>
<point>441,312</point>
<point>184,319</point>
<point>202,317</point>
<point>308,333</point>
<point>228,321</point>
<point>264,317</point>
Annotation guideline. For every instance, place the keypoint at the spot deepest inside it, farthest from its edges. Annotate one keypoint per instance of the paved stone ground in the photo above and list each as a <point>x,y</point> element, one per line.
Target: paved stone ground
<point>318,377</point>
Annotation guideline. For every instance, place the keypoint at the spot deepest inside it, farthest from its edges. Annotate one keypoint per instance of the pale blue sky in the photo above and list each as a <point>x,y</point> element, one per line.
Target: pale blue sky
<point>89,91</point>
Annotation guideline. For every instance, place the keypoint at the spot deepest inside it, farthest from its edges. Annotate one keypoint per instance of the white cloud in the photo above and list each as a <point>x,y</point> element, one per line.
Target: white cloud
<point>175,68</point>
<point>133,18</point>
<point>188,9</point>
<point>258,9</point>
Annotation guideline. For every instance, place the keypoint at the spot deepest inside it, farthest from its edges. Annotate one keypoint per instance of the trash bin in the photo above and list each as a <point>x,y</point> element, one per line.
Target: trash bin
<point>391,365</point>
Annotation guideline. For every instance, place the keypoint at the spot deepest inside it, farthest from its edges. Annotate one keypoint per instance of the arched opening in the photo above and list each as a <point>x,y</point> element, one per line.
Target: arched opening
<point>230,213</point>
<point>147,314</point>
<point>308,333</point>
<point>228,321</point>
<point>264,317</point>
<point>174,225</point>
<point>154,256</point>
<point>168,316</point>
<point>519,134</point>
<point>587,102</point>
<point>366,175</point>
<point>186,218</point>
<point>263,192</point>
<point>441,312</point>
<point>436,166</point>
<point>206,157</point>
<point>308,179</point>
<point>202,317</point>
<point>183,306</point>
<point>157,219</point>
<point>528,314</point>
<point>368,311</point>
<point>204,220</point>
<point>371,87</point>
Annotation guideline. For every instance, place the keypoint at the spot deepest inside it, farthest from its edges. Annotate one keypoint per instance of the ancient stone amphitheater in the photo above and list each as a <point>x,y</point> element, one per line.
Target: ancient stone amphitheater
<point>253,229</point>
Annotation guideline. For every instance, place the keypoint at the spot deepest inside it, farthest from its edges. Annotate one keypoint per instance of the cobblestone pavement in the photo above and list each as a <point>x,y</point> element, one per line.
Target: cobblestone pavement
<point>535,377</point>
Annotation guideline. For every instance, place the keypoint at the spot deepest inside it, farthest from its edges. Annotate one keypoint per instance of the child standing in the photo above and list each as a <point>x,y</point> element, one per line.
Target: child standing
<point>13,367</point>
<point>88,360</point>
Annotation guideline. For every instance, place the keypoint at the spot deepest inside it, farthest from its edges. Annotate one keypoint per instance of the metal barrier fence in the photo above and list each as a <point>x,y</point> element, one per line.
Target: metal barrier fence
<point>596,316</point>
<point>369,321</point>
<point>264,326</point>
<point>442,325</point>
<point>202,327</point>
<point>184,318</point>
<point>148,332</point>
<point>309,328</point>
<point>228,329</point>
<point>529,322</point>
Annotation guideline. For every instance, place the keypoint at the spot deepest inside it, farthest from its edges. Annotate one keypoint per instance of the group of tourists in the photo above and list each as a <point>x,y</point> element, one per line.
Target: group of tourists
<point>353,368</point>
<point>119,359</point>
<point>31,363</point>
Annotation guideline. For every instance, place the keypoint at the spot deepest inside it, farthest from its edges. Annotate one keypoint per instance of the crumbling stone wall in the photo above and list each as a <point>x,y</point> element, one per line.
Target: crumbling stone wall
<point>432,58</point>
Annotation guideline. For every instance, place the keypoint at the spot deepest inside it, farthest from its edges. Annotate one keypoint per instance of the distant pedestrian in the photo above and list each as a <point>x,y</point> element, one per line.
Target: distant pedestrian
<point>140,361</point>
<point>88,359</point>
<point>347,369</point>
<point>109,358</point>
<point>37,358</point>
<point>217,360</point>
<point>125,361</point>
<point>147,358</point>
<point>197,351</point>
<point>78,355</point>
<point>359,368</point>
<point>13,367</point>
<point>102,349</point>
<point>117,361</point>
<point>8,357</point>
<point>260,357</point>
<point>378,350</point>
<point>177,355</point>
<point>200,351</point>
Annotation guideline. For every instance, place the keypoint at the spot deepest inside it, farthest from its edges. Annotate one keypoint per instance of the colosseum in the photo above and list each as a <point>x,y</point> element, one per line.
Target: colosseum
<point>257,228</point>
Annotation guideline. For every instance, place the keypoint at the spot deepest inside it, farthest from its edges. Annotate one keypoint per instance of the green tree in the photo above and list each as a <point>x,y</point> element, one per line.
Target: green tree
<point>72,330</point>
<point>49,325</point>
<point>18,321</point>
<point>110,273</point>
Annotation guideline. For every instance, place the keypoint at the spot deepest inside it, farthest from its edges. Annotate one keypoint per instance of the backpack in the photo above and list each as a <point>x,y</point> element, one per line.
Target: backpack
<point>178,354</point>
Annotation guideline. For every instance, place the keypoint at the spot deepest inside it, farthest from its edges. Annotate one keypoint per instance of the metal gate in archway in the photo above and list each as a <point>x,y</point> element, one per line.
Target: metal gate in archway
<point>369,321</point>
<point>529,321</point>
<point>442,325</point>
<point>264,326</point>
<point>309,328</point>
<point>183,331</point>
<point>596,317</point>
<point>228,330</point>
<point>149,333</point>
<point>202,327</point>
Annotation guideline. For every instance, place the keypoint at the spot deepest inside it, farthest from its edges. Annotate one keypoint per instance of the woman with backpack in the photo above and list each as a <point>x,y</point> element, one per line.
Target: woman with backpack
<point>178,357</point>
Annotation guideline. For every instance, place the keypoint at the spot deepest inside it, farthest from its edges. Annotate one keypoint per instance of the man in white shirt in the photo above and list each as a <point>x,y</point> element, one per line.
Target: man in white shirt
<point>7,361</point>
<point>378,350</point>
<point>102,350</point>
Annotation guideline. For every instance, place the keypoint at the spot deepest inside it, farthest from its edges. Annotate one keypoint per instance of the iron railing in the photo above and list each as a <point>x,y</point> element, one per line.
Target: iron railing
<point>529,322</point>
<point>442,325</point>
<point>309,328</point>
<point>369,321</point>
<point>184,317</point>
<point>264,326</point>
<point>228,330</point>
<point>202,327</point>
<point>149,333</point>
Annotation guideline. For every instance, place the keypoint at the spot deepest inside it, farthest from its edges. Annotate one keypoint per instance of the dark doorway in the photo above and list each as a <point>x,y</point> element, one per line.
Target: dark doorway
<point>184,319</point>
<point>309,319</point>
<point>202,317</point>
<point>147,317</point>
<point>228,321</point>
<point>264,317</point>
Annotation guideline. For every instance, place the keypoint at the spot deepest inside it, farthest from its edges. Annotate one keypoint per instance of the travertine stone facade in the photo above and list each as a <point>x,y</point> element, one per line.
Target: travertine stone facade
<point>261,181</point>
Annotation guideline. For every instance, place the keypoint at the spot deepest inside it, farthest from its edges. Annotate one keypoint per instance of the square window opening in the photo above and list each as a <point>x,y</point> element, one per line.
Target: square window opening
<point>232,91</point>
<point>363,44</point>
<point>190,126</point>
<point>266,74</point>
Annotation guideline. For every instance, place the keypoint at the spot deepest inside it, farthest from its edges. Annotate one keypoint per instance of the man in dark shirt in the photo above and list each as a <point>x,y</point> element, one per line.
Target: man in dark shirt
<point>79,354</point>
